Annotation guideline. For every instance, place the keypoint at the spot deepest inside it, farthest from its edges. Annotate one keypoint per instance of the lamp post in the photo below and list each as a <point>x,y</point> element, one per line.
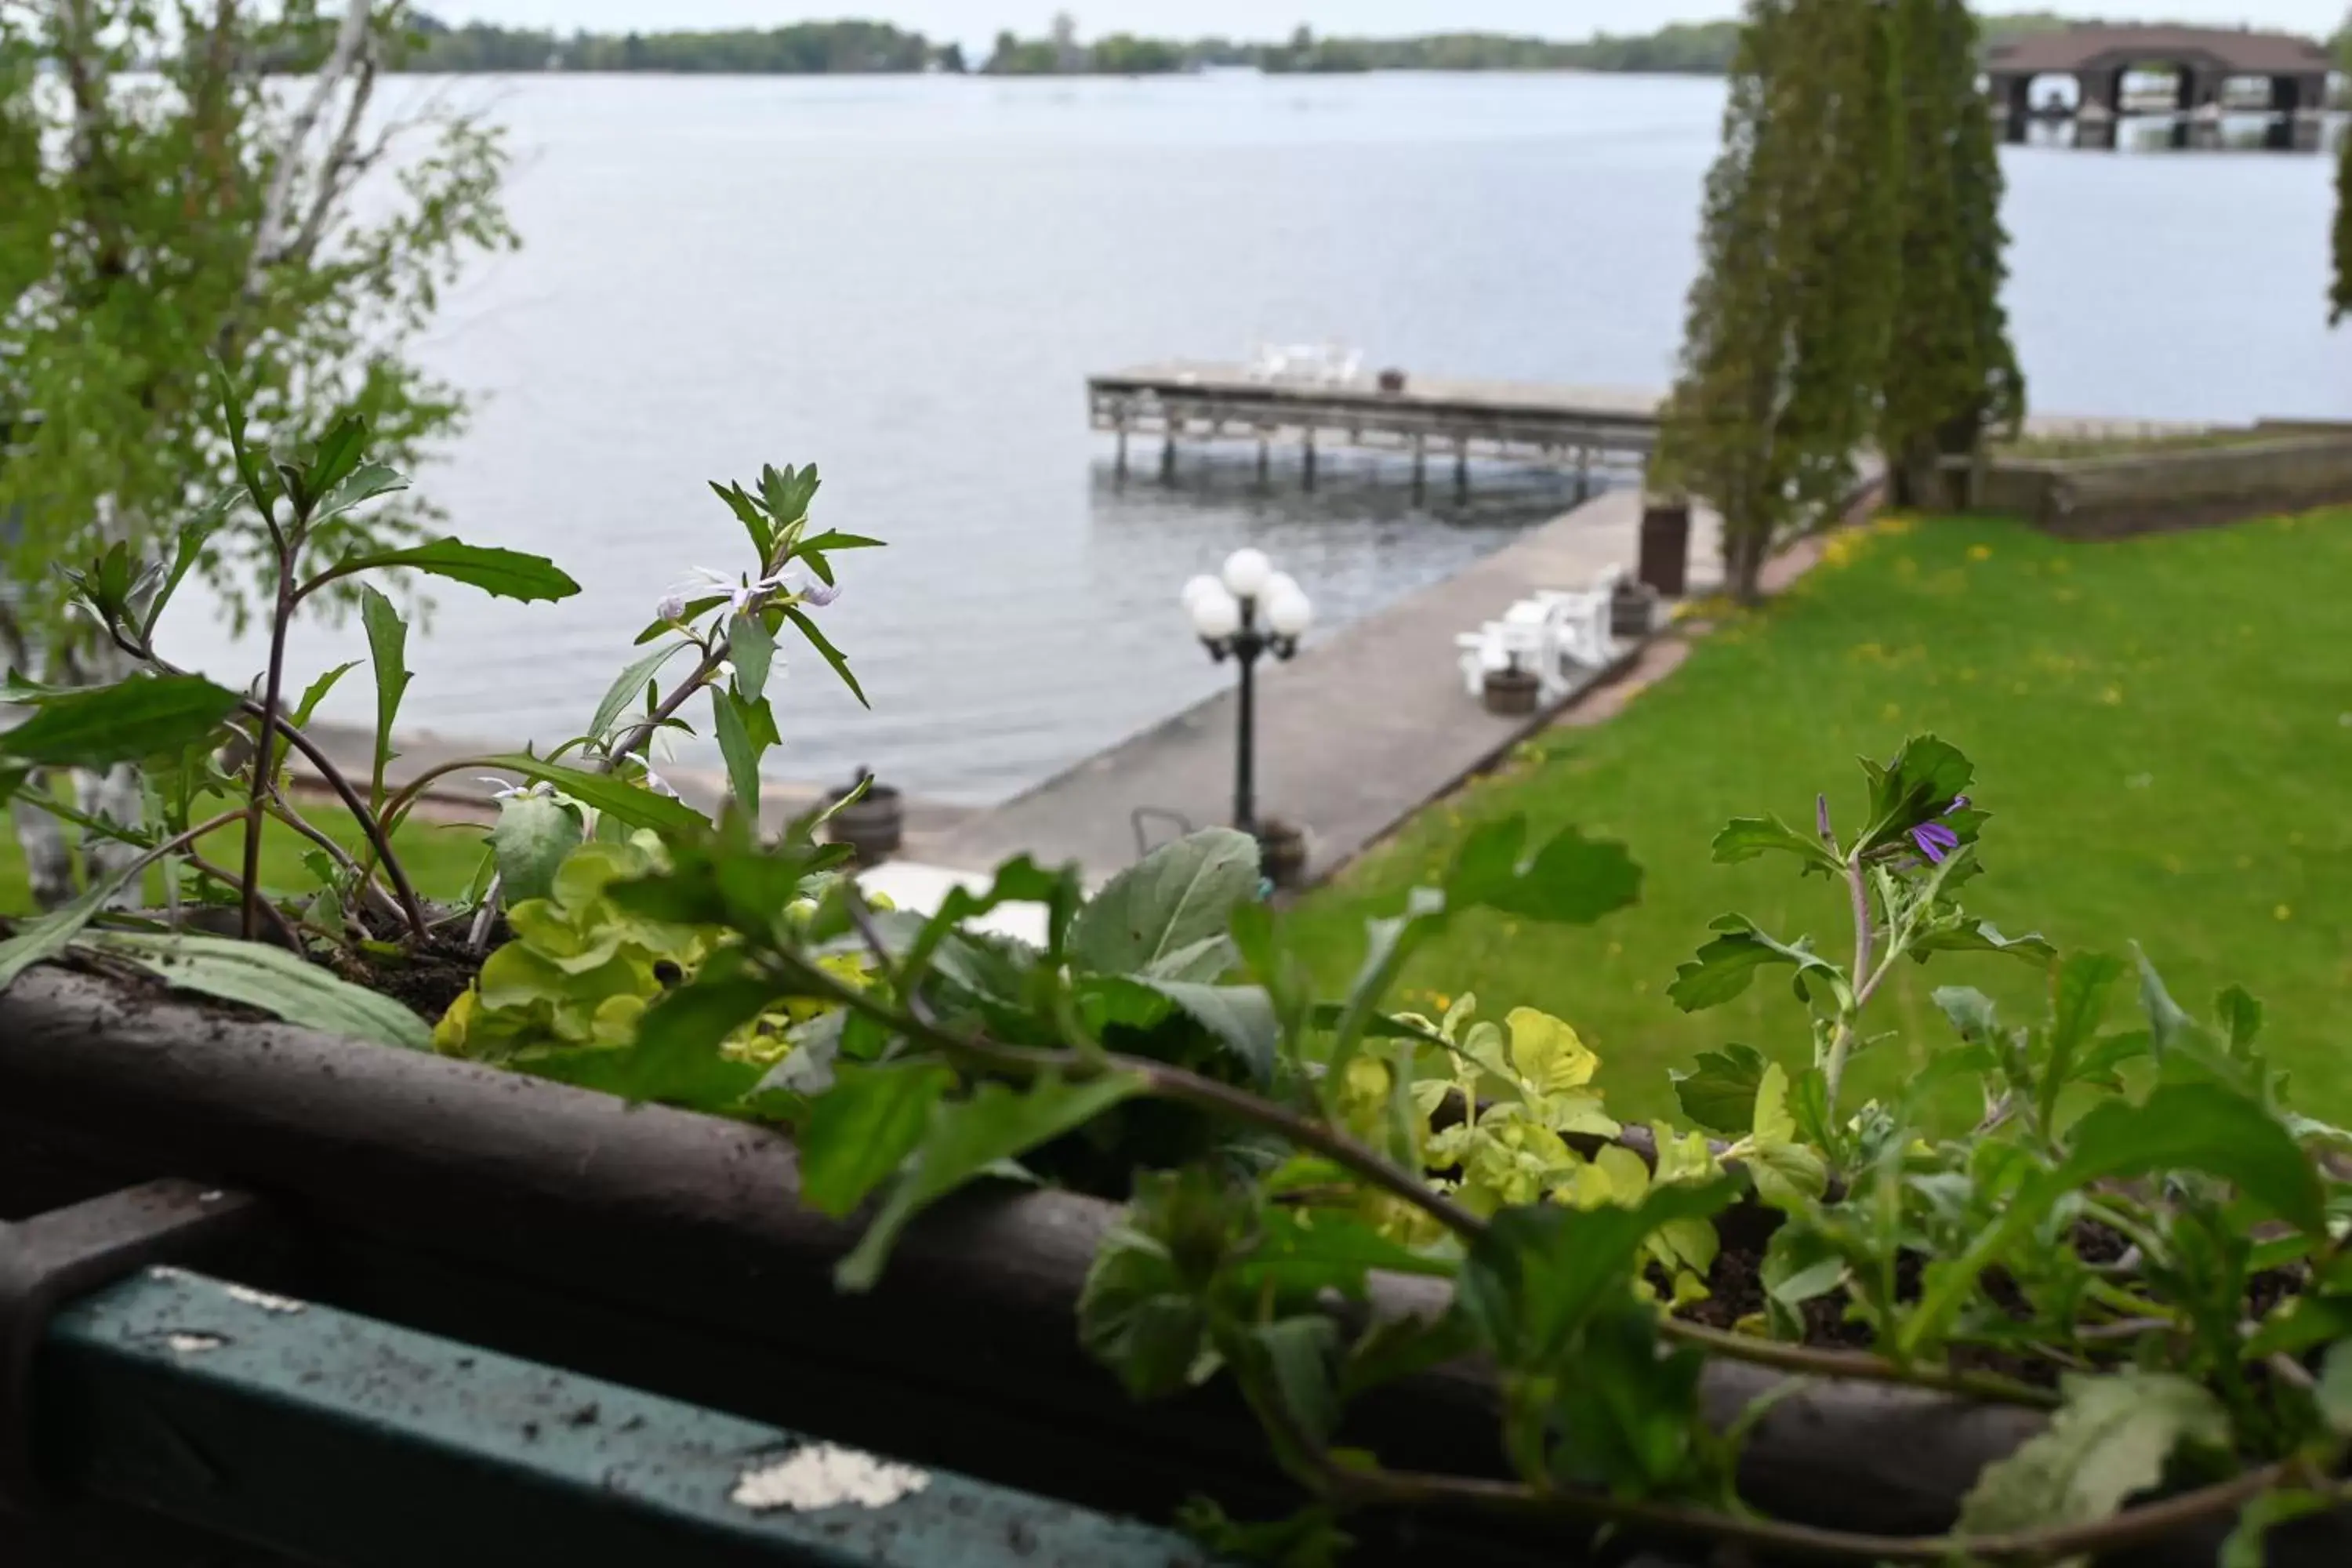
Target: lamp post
<point>1245,613</point>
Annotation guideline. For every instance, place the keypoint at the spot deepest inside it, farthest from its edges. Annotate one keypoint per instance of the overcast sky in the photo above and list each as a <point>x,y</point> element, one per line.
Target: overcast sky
<point>980,20</point>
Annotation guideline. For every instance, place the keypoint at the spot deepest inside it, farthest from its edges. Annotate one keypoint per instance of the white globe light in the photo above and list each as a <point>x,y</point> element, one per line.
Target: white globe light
<point>1282,584</point>
<point>1204,584</point>
<point>1248,573</point>
<point>1290,615</point>
<point>1216,614</point>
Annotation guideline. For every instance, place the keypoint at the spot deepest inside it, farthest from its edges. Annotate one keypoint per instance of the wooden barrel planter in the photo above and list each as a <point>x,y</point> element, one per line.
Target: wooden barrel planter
<point>666,1251</point>
<point>1282,854</point>
<point>873,825</point>
<point>1512,691</point>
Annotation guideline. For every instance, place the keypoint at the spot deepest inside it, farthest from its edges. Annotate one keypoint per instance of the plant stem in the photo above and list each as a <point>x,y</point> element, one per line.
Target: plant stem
<point>266,739</point>
<point>1362,1161</point>
<point>2133,1527</point>
<point>378,836</point>
<point>1834,1070</point>
<point>1853,1366</point>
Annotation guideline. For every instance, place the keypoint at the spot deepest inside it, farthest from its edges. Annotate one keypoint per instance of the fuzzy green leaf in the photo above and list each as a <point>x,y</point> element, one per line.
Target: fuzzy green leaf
<point>1719,1092</point>
<point>533,835</point>
<point>362,484</point>
<point>859,1132</point>
<point>275,981</point>
<point>1178,896</point>
<point>752,648</point>
<point>1724,968</point>
<point>135,718</point>
<point>675,1058</point>
<point>1748,838</point>
<point>2110,1441</point>
<point>964,1139</point>
<point>1571,880</point>
<point>2200,1127</point>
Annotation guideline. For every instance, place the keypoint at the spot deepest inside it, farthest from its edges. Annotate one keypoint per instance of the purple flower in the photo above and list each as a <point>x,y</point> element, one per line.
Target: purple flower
<point>1935,840</point>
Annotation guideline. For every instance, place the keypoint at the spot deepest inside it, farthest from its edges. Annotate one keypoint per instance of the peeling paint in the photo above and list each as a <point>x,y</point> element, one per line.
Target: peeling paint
<point>823,1475</point>
<point>264,1299</point>
<point>194,1344</point>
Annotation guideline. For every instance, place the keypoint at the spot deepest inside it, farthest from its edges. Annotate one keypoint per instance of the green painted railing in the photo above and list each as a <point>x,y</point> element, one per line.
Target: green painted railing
<point>334,1438</point>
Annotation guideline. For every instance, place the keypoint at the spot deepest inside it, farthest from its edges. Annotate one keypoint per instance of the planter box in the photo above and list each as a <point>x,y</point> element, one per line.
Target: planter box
<point>666,1251</point>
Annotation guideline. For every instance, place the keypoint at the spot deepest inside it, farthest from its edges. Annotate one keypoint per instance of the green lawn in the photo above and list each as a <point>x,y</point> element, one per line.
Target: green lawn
<point>2162,729</point>
<point>439,859</point>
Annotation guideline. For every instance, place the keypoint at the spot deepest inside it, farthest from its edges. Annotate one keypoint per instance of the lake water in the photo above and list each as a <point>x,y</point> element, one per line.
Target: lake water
<point>907,282</point>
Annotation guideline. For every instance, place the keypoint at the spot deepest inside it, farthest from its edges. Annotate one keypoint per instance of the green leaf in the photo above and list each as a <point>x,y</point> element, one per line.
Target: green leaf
<point>787,492</point>
<point>42,938</point>
<point>616,798</point>
<point>1923,781</point>
<point>2078,1002</point>
<point>363,485</point>
<point>135,718</point>
<point>316,692</point>
<point>338,454</point>
<point>387,636</point>
<point>730,724</point>
<point>622,696</point>
<point>860,1131</point>
<point>1980,936</point>
<point>1240,1017</point>
<point>1747,837</point>
<point>1178,896</point>
<point>2109,1442</point>
<point>675,1058</point>
<point>1536,1275</point>
<point>1724,968</point>
<point>1719,1092</point>
<point>1571,880</point>
<point>825,651</point>
<point>1970,1012</point>
<point>276,981</point>
<point>259,481</point>
<point>2247,1545</point>
<point>533,835</point>
<point>1303,1254</point>
<point>2200,1127</point>
<point>507,573</point>
<point>752,648</point>
<point>834,539</point>
<point>2240,1018</point>
<point>2166,1023</point>
<point>187,549</point>
<point>1311,1538</point>
<point>965,1137</point>
<point>1289,1368</point>
<point>747,511</point>
<point>2334,1392</point>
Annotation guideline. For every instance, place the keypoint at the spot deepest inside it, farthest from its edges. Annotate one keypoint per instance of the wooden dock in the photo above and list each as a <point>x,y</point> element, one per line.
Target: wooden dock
<point>1577,429</point>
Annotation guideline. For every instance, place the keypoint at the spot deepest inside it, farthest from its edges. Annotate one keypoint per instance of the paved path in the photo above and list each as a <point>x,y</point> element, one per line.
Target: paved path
<point>1356,733</point>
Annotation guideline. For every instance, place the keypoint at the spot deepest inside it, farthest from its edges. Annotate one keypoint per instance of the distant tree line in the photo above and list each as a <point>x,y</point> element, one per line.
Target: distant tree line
<point>806,48</point>
<point>815,48</point>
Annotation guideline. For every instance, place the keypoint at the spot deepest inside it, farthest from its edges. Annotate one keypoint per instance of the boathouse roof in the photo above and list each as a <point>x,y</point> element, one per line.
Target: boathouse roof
<point>2095,48</point>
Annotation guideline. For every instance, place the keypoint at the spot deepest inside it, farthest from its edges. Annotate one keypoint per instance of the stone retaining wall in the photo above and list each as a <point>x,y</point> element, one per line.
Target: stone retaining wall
<point>2308,464</point>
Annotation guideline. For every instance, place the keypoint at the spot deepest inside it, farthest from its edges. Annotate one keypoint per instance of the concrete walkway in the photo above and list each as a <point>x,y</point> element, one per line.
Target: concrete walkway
<point>1360,731</point>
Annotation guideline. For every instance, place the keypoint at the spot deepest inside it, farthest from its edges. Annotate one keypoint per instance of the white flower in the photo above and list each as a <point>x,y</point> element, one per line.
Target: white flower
<point>501,790</point>
<point>672,607</point>
<point>660,785</point>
